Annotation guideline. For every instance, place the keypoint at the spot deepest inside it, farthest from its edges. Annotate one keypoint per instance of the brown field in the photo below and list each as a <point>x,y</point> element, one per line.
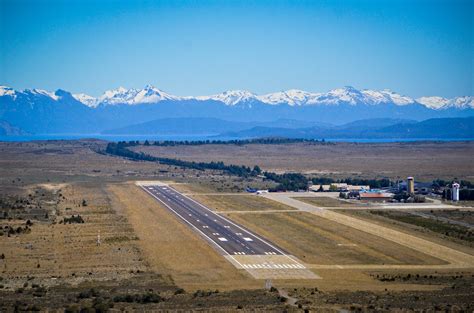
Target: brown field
<point>318,241</point>
<point>327,202</point>
<point>424,160</point>
<point>70,251</point>
<point>245,202</point>
<point>421,232</point>
<point>146,251</point>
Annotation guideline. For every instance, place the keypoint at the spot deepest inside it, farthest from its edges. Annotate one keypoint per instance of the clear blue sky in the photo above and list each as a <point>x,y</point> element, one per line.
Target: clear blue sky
<point>199,47</point>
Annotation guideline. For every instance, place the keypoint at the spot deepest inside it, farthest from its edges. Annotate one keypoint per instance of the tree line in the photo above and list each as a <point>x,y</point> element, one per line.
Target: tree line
<point>120,149</point>
<point>444,183</point>
<point>287,181</point>
<point>238,142</point>
<point>373,183</point>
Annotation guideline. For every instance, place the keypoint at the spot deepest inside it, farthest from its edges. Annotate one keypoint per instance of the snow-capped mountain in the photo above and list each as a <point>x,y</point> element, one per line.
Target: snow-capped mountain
<point>121,95</point>
<point>231,97</point>
<point>293,97</point>
<point>7,91</point>
<point>38,111</point>
<point>86,99</point>
<point>10,92</point>
<point>439,103</point>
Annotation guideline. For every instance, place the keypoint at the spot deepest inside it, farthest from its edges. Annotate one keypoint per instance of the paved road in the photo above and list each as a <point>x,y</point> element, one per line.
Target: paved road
<point>225,234</point>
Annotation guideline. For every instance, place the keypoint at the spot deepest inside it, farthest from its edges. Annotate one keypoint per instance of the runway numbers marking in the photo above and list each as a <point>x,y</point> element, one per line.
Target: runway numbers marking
<point>248,239</point>
<point>215,234</point>
<point>222,239</point>
<point>227,226</point>
<point>205,226</point>
<point>238,234</point>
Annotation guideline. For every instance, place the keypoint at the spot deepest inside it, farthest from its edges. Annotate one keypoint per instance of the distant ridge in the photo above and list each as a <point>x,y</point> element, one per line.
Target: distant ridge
<point>461,128</point>
<point>38,111</point>
<point>199,126</point>
<point>6,129</point>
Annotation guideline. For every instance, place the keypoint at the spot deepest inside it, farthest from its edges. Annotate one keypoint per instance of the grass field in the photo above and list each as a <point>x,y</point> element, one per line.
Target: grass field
<point>326,202</point>
<point>413,229</point>
<point>245,202</point>
<point>319,241</point>
<point>424,160</point>
<point>70,251</point>
<point>447,229</point>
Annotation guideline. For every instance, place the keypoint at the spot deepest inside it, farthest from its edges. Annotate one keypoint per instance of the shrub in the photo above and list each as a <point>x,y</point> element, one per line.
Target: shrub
<point>179,291</point>
<point>77,219</point>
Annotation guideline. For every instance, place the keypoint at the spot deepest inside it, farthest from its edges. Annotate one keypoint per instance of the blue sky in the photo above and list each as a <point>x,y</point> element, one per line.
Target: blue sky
<point>202,47</point>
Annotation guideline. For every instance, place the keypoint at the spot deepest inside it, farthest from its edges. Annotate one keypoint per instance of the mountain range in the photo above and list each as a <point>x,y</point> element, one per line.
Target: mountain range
<point>38,111</point>
<point>437,128</point>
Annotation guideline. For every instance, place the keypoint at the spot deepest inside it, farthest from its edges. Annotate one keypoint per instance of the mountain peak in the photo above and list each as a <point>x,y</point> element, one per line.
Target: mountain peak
<point>438,103</point>
<point>291,97</point>
<point>7,91</point>
<point>231,97</point>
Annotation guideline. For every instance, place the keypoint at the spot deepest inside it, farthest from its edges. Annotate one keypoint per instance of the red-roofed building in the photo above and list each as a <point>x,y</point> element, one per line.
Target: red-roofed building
<point>375,196</point>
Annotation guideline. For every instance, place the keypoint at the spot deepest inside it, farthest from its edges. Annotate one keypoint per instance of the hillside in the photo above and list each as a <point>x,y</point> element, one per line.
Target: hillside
<point>460,128</point>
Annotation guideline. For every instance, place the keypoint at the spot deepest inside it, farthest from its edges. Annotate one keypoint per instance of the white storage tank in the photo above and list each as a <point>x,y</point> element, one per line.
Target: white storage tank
<point>455,192</point>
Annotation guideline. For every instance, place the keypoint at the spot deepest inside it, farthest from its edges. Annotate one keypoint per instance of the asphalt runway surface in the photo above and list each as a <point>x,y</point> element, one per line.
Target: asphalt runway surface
<point>228,236</point>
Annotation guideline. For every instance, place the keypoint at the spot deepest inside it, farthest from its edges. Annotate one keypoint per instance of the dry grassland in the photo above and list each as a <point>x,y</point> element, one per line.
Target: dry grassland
<point>326,202</point>
<point>69,252</point>
<point>318,241</point>
<point>410,229</point>
<point>198,187</point>
<point>245,202</point>
<point>424,160</point>
<point>77,161</point>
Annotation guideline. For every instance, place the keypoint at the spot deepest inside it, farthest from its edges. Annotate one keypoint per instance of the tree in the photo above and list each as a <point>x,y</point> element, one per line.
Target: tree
<point>257,170</point>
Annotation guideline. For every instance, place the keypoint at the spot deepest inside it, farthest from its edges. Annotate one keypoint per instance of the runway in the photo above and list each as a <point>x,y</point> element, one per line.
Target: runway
<point>244,249</point>
<point>231,238</point>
